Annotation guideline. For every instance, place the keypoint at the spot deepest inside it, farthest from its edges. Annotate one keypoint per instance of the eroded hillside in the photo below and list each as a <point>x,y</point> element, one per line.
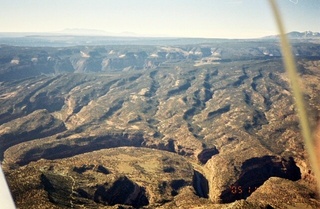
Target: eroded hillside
<point>172,126</point>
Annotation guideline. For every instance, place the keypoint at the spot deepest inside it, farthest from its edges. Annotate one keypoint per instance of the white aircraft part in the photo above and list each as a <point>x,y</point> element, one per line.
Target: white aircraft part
<point>6,200</point>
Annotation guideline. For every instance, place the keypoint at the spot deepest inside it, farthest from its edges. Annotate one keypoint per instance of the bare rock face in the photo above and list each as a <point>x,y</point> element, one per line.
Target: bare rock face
<point>59,188</point>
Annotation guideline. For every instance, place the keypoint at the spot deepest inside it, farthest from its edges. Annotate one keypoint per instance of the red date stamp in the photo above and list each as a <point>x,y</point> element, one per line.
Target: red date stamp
<point>239,189</point>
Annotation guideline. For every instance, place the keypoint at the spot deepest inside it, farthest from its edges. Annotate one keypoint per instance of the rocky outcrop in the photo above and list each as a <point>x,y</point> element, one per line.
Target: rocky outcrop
<point>283,193</point>
<point>119,176</point>
<point>231,178</point>
<point>255,171</point>
<point>206,154</point>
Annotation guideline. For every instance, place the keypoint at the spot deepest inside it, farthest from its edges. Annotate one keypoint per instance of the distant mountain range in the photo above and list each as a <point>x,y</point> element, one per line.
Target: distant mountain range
<point>298,35</point>
<point>94,32</point>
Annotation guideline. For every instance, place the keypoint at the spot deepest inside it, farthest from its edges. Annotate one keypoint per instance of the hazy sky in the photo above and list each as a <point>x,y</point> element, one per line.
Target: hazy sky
<point>184,18</point>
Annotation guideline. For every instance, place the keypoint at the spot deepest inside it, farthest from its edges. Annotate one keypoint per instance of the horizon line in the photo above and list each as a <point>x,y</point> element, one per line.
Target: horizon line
<point>90,33</point>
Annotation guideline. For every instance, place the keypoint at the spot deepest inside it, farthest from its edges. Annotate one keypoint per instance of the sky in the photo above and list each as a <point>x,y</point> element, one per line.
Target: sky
<point>174,18</point>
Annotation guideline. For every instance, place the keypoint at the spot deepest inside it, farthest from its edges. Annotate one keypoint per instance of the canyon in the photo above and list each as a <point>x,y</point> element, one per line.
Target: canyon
<point>197,125</point>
